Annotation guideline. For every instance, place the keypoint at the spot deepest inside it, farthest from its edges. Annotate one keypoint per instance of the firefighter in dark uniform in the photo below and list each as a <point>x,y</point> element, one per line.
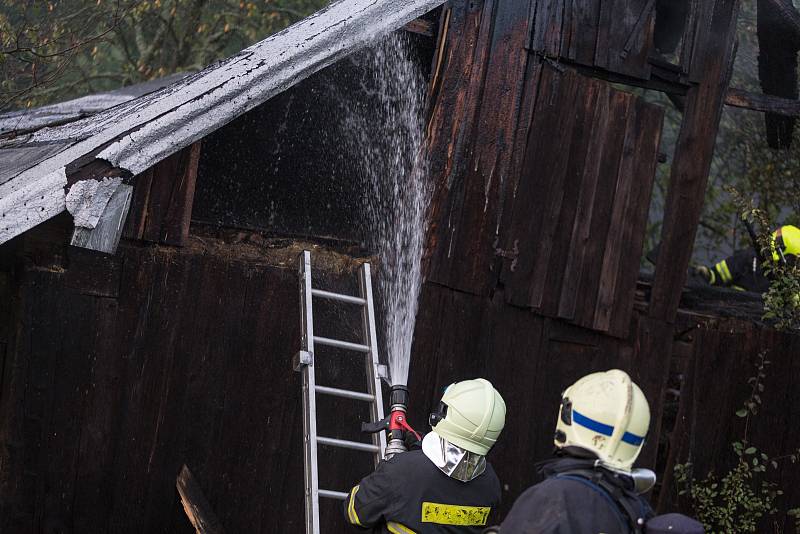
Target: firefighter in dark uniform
<point>448,485</point>
<point>743,271</point>
<point>591,486</point>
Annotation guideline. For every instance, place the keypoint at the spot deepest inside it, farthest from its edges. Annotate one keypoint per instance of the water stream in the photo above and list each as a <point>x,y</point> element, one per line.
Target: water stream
<point>388,132</point>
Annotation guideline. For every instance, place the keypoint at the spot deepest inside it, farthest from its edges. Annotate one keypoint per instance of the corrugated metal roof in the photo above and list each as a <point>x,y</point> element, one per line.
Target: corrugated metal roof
<point>136,134</point>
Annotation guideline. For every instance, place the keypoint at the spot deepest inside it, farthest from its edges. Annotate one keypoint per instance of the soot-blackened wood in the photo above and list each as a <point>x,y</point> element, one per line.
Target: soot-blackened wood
<point>548,26</point>
<point>652,337</point>
<point>546,290</point>
<point>195,504</point>
<point>534,195</point>
<point>629,219</point>
<point>584,25</point>
<point>137,214</point>
<point>599,222</point>
<point>465,227</point>
<point>162,205</point>
<point>451,126</point>
<point>692,160</point>
<point>624,37</point>
<point>94,474</point>
<point>576,259</point>
<point>25,406</point>
<point>547,179</point>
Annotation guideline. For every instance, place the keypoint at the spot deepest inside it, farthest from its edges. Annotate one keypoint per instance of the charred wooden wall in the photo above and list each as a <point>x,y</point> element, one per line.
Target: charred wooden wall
<point>715,362</point>
<point>120,369</point>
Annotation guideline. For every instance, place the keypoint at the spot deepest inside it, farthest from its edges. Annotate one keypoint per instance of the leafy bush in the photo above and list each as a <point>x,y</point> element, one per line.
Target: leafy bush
<point>738,500</point>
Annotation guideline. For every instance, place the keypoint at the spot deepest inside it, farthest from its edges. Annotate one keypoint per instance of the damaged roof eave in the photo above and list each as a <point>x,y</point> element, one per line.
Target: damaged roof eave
<point>136,135</point>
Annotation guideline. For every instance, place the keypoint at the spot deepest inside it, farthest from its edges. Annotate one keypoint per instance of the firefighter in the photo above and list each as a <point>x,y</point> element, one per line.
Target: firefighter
<point>743,271</point>
<point>447,485</point>
<point>590,486</point>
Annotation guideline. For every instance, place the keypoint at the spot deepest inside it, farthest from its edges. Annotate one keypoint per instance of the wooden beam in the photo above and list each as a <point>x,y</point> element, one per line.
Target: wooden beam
<point>197,508</point>
<point>104,237</point>
<point>694,150</point>
<point>765,103</point>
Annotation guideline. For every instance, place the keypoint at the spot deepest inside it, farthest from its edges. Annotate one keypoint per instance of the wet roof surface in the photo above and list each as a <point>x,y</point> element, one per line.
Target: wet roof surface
<point>136,134</point>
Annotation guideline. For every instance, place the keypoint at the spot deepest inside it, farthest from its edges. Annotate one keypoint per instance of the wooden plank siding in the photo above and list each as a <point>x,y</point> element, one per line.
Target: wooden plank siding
<point>723,356</point>
<point>163,195</point>
<point>108,394</point>
<point>613,35</point>
<point>580,206</point>
<point>471,130</point>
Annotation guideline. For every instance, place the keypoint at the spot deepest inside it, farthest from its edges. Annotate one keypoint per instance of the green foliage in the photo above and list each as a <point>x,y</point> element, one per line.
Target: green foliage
<point>737,502</point>
<point>56,49</point>
<point>734,503</point>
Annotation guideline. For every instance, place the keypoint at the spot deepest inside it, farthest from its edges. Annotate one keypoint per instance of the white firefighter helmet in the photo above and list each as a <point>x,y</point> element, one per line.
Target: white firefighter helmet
<point>607,415</point>
<point>471,415</point>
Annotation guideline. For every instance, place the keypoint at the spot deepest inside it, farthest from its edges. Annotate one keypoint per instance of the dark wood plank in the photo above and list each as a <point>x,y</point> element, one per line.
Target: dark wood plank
<point>468,228</point>
<point>740,98</point>
<point>92,273</point>
<point>648,132</point>
<point>195,504</point>
<point>649,368</point>
<point>584,17</point>
<point>537,201</point>
<point>624,196</point>
<point>137,214</point>
<point>600,222</point>
<point>692,160</point>
<point>625,36</point>
<point>451,128</point>
<point>169,207</point>
<point>155,289</point>
<point>547,30</point>
<point>579,240</point>
<point>546,292</point>
<point>175,225</point>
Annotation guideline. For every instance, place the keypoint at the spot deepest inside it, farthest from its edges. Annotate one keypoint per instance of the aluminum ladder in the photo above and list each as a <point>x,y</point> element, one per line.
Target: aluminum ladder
<point>304,362</point>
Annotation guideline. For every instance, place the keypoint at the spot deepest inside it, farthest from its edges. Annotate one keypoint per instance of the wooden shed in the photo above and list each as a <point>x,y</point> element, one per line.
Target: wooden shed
<point>120,367</point>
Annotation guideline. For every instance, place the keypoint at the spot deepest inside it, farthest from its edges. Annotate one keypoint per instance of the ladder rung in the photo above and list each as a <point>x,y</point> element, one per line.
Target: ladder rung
<point>338,296</point>
<point>344,393</point>
<point>330,494</point>
<point>340,344</point>
<point>345,444</point>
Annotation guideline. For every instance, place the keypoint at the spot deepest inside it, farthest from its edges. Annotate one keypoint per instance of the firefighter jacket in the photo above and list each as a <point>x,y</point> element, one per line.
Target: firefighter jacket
<point>740,271</point>
<point>408,494</point>
<point>568,502</point>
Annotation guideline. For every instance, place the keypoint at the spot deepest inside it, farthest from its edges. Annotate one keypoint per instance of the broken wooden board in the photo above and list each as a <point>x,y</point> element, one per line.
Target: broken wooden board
<point>195,504</point>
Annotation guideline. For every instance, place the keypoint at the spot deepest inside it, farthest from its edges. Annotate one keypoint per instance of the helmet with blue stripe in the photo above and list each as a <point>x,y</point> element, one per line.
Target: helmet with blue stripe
<point>605,415</point>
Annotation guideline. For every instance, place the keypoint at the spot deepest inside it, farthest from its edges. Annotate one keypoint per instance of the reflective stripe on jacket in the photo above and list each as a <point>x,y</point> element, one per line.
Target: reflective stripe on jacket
<point>409,495</point>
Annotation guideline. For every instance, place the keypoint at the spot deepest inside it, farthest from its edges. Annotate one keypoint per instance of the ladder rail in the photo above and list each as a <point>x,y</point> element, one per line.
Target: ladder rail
<point>309,399</point>
<point>305,361</point>
<point>373,365</point>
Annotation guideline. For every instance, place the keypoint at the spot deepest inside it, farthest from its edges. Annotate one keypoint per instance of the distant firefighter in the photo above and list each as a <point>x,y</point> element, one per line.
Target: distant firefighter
<point>743,270</point>
<point>591,485</point>
<point>448,485</point>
